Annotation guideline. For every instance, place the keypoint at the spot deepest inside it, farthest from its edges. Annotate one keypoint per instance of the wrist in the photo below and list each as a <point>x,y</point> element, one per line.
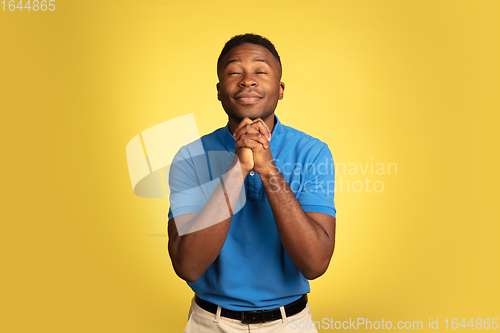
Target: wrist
<point>236,165</point>
<point>268,172</point>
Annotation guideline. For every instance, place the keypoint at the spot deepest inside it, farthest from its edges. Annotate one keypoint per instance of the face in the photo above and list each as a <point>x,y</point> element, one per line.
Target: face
<point>249,82</point>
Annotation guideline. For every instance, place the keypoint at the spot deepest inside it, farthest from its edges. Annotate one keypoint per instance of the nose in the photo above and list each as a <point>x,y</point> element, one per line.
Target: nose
<point>247,80</point>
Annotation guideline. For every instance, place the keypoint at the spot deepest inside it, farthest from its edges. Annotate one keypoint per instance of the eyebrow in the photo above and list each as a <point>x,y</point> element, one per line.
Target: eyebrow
<point>255,60</point>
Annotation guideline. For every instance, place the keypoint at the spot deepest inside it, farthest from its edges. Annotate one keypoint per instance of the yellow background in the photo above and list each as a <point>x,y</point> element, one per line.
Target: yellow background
<point>408,82</point>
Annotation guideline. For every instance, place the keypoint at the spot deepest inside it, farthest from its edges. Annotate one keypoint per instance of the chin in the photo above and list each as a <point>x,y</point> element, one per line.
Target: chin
<point>252,115</point>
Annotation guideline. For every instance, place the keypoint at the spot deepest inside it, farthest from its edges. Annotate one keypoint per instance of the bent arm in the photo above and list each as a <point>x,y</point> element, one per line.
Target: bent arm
<point>203,235</point>
<point>308,238</point>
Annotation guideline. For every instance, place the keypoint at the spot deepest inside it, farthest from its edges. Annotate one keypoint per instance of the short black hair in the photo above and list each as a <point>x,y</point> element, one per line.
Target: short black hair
<point>251,39</point>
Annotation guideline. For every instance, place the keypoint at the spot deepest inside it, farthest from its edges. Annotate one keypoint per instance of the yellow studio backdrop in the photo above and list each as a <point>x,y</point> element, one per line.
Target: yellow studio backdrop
<point>405,93</point>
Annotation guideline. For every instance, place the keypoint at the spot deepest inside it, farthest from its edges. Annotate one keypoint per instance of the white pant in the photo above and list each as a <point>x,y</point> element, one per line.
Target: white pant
<point>202,321</point>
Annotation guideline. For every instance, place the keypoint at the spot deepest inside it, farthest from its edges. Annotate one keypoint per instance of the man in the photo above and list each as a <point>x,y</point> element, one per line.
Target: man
<point>252,214</point>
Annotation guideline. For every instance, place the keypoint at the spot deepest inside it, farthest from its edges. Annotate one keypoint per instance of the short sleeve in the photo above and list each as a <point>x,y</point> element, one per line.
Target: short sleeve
<point>317,192</point>
<point>190,182</point>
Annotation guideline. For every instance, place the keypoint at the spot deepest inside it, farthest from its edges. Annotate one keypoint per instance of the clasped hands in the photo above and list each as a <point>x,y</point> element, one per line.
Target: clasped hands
<point>252,147</point>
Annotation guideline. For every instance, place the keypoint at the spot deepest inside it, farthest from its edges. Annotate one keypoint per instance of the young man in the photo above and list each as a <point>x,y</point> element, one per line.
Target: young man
<point>252,214</point>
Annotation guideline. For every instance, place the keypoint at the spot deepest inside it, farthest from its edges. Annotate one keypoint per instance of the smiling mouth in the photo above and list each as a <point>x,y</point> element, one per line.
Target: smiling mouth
<point>247,98</point>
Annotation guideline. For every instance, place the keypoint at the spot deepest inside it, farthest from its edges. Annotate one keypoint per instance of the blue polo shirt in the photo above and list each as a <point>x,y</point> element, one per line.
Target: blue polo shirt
<point>252,271</point>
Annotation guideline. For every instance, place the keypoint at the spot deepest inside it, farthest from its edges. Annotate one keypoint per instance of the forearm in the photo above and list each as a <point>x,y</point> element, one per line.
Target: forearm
<point>306,242</point>
<point>199,240</point>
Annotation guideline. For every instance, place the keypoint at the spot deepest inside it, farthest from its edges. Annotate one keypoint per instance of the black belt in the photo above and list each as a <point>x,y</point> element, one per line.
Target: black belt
<point>257,316</point>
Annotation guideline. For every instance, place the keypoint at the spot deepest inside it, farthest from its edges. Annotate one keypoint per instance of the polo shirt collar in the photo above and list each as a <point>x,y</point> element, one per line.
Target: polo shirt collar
<point>230,142</point>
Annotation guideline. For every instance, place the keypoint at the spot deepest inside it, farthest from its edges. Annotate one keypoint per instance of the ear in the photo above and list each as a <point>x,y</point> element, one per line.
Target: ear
<point>282,89</point>
<point>218,92</point>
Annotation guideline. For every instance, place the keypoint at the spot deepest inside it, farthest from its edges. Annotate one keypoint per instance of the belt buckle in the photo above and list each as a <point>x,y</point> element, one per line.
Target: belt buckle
<point>252,317</point>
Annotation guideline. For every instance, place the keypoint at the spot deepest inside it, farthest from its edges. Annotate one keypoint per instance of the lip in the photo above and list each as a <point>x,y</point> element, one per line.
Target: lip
<point>248,98</point>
